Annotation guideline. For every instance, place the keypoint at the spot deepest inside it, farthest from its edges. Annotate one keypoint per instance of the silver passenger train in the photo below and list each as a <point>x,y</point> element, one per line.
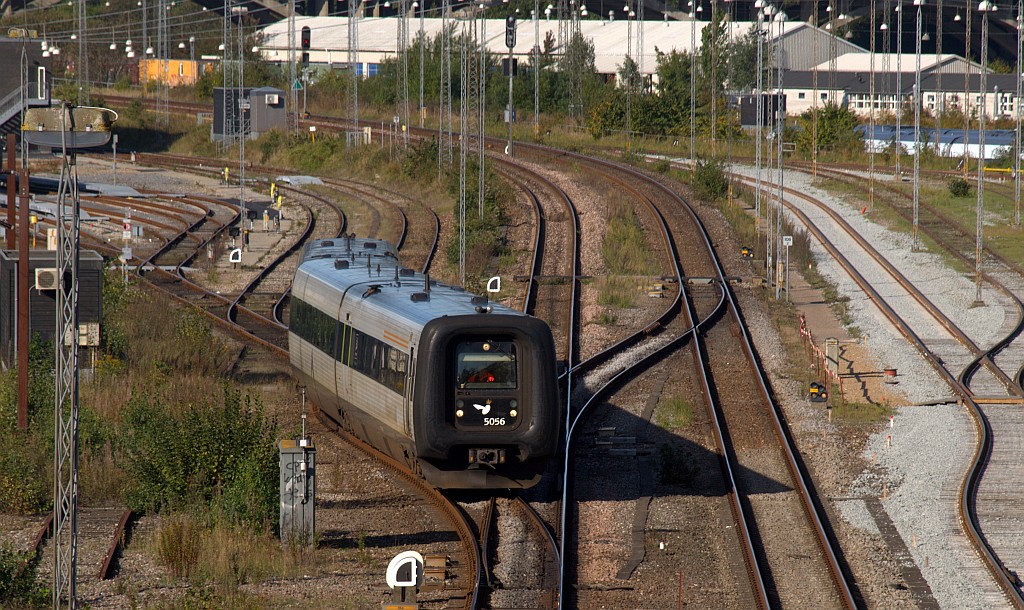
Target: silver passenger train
<point>461,389</point>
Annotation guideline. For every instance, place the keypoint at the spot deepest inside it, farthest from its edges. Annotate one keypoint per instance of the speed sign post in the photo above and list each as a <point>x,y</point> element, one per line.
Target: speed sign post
<point>787,240</point>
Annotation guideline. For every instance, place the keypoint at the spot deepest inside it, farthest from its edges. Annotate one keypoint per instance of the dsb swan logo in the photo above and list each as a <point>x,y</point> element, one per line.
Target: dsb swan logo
<point>484,409</point>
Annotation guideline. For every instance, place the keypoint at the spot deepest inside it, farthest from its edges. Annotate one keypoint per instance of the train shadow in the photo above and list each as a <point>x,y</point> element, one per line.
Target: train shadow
<point>634,458</point>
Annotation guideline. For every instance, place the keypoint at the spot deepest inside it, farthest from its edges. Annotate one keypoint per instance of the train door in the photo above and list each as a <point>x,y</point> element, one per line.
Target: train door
<point>410,376</point>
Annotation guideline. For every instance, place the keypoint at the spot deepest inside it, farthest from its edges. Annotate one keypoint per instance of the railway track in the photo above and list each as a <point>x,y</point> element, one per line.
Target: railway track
<point>262,328</point>
<point>659,325</point>
<point>989,501</point>
<point>835,587</point>
<point>1005,357</point>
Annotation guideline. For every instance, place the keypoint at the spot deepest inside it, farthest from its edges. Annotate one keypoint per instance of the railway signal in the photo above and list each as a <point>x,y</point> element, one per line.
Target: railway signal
<point>306,40</point>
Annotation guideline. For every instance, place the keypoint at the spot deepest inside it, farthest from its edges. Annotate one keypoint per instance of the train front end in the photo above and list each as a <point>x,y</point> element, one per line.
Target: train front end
<point>487,408</point>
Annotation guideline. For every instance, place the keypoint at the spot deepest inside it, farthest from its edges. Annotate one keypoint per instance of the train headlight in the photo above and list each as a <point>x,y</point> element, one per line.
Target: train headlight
<point>513,413</point>
<point>459,413</point>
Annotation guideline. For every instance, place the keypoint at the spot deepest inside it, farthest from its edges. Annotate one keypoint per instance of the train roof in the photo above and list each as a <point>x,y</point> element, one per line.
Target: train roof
<point>372,272</point>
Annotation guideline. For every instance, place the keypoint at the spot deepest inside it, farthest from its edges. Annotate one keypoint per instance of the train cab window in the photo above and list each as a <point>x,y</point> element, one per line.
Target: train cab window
<point>485,364</point>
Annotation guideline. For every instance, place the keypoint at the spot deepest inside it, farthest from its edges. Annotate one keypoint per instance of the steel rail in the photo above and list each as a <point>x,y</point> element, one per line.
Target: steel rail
<point>969,486</point>
<point>983,357</point>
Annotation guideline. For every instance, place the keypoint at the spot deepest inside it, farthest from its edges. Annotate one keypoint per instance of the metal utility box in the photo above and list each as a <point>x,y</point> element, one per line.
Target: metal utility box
<point>229,101</point>
<point>266,111</point>
<point>42,307</point>
<point>298,491</point>
<point>770,102</point>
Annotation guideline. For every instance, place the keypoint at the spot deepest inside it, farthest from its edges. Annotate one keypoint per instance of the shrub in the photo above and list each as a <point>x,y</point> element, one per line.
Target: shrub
<point>485,239</point>
<point>18,587</point>
<point>218,454</point>
<point>958,187</point>
<point>709,180</point>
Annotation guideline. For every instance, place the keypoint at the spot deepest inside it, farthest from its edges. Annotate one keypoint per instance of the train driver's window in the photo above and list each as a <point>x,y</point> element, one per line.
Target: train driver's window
<point>485,364</point>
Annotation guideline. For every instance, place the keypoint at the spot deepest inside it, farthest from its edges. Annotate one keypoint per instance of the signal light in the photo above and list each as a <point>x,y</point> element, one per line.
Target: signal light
<point>305,38</point>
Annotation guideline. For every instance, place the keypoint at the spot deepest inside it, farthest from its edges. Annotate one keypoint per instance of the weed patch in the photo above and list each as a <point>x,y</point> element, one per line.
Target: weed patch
<point>674,413</point>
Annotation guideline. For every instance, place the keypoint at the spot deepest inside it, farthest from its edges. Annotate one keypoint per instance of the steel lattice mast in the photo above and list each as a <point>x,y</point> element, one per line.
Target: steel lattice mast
<point>576,69</point>
<point>967,88</point>
<point>481,108</point>
<point>780,130</point>
<point>468,111</point>
<point>293,93</point>
<point>1017,117</point>
<point>82,70</point>
<point>759,108</point>
<point>354,67</point>
<point>814,94</point>
<point>421,109</point>
<point>403,68</point>
<point>899,84</point>
<point>444,122</point>
<point>871,95</point>
<point>915,237</point>
<point>163,57</point>
<point>65,450</point>
<point>228,78</point>
<point>986,7</point>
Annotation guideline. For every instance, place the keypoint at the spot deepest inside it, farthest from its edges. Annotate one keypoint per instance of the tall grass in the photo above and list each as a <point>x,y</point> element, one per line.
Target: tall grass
<point>623,246</point>
<point>617,292</point>
<point>675,412</point>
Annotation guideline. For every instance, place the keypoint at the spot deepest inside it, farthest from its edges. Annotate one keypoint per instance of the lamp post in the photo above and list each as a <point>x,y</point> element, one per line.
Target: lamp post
<point>985,7</point>
<point>192,58</point>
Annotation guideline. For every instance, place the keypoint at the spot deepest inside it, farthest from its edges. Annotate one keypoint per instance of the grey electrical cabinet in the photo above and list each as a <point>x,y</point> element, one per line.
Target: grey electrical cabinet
<point>298,491</point>
<point>42,303</point>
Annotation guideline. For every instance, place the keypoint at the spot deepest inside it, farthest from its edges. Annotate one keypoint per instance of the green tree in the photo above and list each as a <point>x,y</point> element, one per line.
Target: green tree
<point>835,128</point>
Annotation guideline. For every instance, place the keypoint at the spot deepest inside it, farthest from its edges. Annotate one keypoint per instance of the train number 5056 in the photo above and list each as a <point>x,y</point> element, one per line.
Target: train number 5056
<point>494,421</point>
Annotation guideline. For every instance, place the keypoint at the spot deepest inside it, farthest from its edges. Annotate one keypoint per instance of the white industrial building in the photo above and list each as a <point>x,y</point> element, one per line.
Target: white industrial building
<point>378,39</point>
<point>808,70</point>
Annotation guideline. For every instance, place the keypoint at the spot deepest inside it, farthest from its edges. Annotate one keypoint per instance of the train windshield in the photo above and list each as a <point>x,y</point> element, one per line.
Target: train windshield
<point>486,364</point>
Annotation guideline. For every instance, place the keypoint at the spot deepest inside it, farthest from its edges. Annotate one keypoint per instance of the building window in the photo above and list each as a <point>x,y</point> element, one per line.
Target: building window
<point>41,83</point>
<point>801,95</point>
<point>824,96</point>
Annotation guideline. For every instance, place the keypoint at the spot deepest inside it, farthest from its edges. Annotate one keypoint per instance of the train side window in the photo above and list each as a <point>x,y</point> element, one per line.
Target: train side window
<point>377,360</point>
<point>312,325</point>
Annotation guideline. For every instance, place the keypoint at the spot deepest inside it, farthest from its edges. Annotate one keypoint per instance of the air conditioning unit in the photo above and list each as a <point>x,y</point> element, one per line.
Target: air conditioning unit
<point>46,278</point>
<point>273,99</point>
